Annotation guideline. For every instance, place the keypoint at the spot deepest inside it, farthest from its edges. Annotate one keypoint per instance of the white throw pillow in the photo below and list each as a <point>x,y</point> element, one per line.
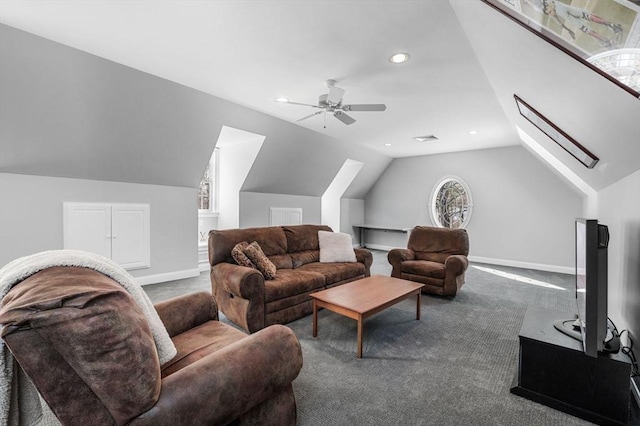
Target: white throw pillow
<point>336,247</point>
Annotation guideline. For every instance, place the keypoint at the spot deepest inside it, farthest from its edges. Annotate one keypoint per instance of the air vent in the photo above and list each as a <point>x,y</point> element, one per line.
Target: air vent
<point>425,138</point>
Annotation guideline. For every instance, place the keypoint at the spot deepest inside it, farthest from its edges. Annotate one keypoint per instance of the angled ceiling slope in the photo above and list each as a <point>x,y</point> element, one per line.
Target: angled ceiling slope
<point>591,109</point>
<point>253,52</point>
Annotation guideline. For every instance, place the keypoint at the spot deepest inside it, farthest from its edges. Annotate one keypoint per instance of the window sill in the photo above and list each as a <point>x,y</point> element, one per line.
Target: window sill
<point>207,213</point>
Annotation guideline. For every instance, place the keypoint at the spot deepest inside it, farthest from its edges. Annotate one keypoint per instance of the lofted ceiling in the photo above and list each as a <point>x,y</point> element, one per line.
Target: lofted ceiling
<point>251,52</point>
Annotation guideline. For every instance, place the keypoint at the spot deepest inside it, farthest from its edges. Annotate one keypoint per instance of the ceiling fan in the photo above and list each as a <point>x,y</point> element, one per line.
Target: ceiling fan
<point>332,103</point>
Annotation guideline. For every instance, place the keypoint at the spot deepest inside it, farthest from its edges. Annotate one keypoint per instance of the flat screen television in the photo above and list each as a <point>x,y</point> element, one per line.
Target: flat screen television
<point>592,240</point>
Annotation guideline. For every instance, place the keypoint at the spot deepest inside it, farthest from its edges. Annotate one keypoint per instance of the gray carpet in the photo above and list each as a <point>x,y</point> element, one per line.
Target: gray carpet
<point>455,366</point>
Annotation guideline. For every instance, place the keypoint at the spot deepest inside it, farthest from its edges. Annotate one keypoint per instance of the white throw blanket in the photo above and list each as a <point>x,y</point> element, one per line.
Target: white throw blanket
<point>12,379</point>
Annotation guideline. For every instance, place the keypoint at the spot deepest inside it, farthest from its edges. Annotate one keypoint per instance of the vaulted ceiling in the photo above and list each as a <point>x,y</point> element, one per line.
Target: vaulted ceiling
<point>466,63</point>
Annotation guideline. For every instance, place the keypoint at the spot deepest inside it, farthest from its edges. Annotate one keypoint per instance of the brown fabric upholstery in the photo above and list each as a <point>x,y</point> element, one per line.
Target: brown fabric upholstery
<point>436,257</point>
<point>335,272</point>
<point>272,241</point>
<point>303,237</point>
<point>237,252</point>
<point>262,262</point>
<point>290,282</point>
<point>253,303</point>
<point>84,326</point>
<point>87,347</point>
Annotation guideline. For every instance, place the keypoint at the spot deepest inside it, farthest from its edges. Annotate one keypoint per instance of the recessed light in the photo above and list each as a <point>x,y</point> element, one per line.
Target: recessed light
<point>387,144</point>
<point>473,132</point>
<point>399,58</point>
<point>425,138</point>
<point>282,99</point>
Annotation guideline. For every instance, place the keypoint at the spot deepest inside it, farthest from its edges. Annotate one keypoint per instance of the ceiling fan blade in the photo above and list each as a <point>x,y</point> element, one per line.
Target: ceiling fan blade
<point>365,107</point>
<point>309,116</point>
<point>335,95</point>
<point>343,117</point>
<point>298,103</point>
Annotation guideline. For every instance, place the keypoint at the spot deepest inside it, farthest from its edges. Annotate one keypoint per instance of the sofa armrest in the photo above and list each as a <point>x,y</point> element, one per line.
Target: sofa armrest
<point>239,292</point>
<point>396,257</point>
<point>456,264</point>
<point>221,386</point>
<point>365,257</point>
<point>186,312</point>
<point>241,281</point>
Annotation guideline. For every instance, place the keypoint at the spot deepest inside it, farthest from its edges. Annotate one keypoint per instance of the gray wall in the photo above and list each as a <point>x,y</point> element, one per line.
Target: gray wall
<point>351,213</point>
<point>618,208</point>
<point>31,218</point>
<point>523,212</point>
<point>68,113</point>
<point>254,207</point>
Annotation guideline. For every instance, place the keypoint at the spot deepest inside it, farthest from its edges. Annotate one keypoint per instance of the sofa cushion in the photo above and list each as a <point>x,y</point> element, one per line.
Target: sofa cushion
<point>424,268</point>
<point>336,247</point>
<point>199,342</point>
<point>262,262</point>
<point>271,239</point>
<point>303,257</point>
<point>282,261</point>
<point>291,282</point>
<point>303,237</point>
<point>238,255</point>
<point>335,272</point>
<point>443,241</point>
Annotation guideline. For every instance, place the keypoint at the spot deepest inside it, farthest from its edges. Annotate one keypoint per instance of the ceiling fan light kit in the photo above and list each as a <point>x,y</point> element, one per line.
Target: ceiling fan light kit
<point>425,138</point>
<point>332,102</point>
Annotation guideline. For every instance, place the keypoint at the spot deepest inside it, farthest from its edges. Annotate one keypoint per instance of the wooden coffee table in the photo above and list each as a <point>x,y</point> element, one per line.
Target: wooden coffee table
<point>362,298</point>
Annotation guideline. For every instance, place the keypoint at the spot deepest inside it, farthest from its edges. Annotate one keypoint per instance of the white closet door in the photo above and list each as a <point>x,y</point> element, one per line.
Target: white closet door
<point>118,231</point>
<point>130,235</point>
<point>294,217</point>
<point>87,227</point>
<point>280,216</point>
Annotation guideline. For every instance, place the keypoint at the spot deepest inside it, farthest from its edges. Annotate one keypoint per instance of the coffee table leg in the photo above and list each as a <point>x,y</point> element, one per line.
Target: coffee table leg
<point>315,318</point>
<point>418,306</point>
<point>360,321</point>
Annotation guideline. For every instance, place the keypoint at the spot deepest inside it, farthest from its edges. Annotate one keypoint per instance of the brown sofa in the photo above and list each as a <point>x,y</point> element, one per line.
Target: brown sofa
<point>87,347</point>
<point>252,302</point>
<point>435,257</point>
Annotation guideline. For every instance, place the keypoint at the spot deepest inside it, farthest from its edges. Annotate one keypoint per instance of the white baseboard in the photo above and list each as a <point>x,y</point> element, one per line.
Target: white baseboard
<point>524,265</point>
<point>501,262</point>
<point>204,266</point>
<point>167,276</point>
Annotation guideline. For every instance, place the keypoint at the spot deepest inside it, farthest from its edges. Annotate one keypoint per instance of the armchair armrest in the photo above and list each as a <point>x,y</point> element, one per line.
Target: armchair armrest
<point>396,257</point>
<point>186,312</point>
<point>366,257</point>
<point>399,255</point>
<point>456,264</point>
<point>223,385</point>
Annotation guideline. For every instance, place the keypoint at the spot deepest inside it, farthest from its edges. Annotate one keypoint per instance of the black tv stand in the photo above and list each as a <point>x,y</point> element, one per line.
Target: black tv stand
<point>567,326</point>
<point>554,370</point>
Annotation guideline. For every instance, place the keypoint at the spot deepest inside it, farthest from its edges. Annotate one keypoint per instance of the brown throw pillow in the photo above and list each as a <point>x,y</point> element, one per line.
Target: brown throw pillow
<point>254,252</point>
<point>238,255</point>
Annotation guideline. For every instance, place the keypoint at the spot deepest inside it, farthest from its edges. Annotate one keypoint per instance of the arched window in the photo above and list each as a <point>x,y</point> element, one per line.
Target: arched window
<point>450,203</point>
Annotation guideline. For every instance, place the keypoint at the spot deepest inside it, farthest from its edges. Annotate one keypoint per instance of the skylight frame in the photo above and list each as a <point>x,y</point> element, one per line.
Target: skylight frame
<point>513,11</point>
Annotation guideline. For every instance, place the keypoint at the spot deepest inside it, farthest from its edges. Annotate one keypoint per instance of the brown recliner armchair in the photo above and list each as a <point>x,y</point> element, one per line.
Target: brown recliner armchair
<point>436,257</point>
<point>88,349</point>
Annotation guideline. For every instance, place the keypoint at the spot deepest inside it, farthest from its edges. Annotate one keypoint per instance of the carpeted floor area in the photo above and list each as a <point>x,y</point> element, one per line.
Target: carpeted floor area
<point>455,366</point>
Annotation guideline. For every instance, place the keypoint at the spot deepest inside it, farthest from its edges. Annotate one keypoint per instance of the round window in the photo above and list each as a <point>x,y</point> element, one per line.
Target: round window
<point>451,203</point>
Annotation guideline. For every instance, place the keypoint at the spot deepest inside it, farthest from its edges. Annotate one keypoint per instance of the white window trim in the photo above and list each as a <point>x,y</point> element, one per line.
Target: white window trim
<point>434,191</point>
<point>214,164</point>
